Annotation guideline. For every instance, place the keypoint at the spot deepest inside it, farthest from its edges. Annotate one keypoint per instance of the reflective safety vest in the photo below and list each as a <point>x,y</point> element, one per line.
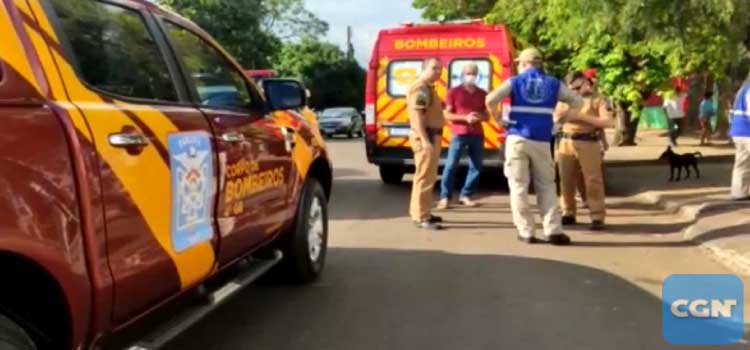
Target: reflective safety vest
<point>741,113</point>
<point>532,104</point>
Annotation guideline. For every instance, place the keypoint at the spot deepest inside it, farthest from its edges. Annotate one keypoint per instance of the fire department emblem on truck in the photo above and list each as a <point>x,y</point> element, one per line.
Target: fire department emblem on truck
<point>192,189</point>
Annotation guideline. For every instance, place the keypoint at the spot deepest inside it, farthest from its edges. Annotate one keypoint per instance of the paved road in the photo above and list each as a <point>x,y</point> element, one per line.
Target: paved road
<point>390,286</point>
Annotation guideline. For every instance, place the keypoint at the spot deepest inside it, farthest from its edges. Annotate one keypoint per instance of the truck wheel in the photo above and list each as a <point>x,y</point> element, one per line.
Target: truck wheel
<point>13,337</point>
<point>306,245</point>
<point>391,175</point>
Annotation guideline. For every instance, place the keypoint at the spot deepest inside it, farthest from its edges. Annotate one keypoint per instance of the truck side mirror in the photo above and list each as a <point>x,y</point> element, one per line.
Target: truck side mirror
<point>284,94</point>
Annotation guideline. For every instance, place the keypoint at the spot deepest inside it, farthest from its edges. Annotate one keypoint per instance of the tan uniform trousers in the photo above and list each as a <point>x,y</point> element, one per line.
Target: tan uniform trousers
<point>586,156</point>
<point>425,175</point>
<point>741,173</point>
<point>526,160</point>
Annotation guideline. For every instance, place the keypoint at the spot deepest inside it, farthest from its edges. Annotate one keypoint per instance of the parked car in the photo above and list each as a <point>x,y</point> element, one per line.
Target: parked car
<point>143,176</point>
<point>341,120</point>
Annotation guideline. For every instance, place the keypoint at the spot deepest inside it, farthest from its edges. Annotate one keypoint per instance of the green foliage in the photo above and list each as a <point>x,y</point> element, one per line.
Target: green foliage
<point>333,79</point>
<point>236,24</point>
<point>636,45</point>
<point>453,9</point>
<point>252,30</point>
<point>290,20</point>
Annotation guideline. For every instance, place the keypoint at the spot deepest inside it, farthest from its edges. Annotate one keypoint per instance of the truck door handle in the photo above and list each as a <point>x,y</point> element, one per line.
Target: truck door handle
<point>128,139</point>
<point>233,137</point>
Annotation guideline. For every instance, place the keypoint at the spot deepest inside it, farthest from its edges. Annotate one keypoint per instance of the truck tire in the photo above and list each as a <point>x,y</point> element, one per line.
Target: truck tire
<point>391,175</point>
<point>13,337</point>
<point>305,247</point>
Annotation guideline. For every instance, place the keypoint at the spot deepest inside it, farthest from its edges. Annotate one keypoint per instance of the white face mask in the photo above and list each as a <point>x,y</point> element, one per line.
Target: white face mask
<point>470,79</point>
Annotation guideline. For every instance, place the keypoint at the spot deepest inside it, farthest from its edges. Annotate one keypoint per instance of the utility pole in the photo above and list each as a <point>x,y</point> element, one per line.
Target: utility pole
<point>349,45</point>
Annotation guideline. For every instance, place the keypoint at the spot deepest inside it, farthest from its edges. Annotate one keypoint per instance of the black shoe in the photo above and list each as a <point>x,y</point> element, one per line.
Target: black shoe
<point>430,226</point>
<point>597,225</point>
<point>528,240</point>
<point>559,239</point>
<point>435,219</point>
<point>569,220</point>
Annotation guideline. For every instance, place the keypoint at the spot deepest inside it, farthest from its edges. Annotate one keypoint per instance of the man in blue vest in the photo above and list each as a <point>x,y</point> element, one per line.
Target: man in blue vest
<point>740,133</point>
<point>534,96</point>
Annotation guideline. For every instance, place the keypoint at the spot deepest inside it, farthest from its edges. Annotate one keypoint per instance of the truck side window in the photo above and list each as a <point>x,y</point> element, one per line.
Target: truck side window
<point>401,74</point>
<point>115,50</point>
<point>217,81</point>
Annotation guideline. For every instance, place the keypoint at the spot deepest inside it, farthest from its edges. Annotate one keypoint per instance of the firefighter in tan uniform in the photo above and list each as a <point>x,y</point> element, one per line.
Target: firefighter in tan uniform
<point>426,121</point>
<point>580,148</point>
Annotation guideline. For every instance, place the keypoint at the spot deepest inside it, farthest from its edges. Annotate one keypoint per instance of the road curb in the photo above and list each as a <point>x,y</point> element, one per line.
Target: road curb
<point>738,261</point>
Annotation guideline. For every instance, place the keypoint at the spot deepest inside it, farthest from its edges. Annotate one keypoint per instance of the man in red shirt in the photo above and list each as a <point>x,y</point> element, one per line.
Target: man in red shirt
<point>465,112</point>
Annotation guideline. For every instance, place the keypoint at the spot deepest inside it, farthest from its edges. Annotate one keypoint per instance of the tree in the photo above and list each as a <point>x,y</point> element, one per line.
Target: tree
<point>637,45</point>
<point>252,30</point>
<point>453,9</point>
<point>333,79</point>
<point>289,20</point>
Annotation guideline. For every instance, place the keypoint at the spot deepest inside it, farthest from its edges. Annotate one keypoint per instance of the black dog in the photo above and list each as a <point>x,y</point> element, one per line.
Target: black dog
<point>679,161</point>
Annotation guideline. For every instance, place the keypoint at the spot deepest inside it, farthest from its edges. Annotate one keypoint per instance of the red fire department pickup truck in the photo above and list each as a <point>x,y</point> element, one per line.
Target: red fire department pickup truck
<point>140,171</point>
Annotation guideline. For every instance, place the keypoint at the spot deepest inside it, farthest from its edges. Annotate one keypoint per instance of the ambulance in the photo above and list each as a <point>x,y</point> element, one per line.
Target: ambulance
<point>395,64</point>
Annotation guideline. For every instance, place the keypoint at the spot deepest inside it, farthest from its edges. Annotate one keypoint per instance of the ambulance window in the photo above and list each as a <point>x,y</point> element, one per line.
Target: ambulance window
<point>217,82</point>
<point>114,49</point>
<point>401,74</point>
<point>484,80</point>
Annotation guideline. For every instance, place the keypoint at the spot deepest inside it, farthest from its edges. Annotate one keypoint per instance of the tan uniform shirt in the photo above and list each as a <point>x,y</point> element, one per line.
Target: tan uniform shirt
<point>422,96</point>
<point>594,106</point>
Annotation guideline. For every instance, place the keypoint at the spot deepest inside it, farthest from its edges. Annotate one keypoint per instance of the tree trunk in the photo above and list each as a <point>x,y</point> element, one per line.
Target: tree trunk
<point>627,125</point>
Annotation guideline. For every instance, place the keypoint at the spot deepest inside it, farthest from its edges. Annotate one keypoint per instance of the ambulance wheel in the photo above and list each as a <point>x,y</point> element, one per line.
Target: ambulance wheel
<point>305,246</point>
<point>13,337</point>
<point>391,175</point>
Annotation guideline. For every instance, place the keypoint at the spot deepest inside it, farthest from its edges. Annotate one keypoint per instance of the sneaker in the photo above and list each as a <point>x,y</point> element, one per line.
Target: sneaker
<point>597,225</point>
<point>559,239</point>
<point>429,226</point>
<point>528,240</point>
<point>443,204</point>
<point>569,220</point>
<point>467,202</point>
<point>435,219</point>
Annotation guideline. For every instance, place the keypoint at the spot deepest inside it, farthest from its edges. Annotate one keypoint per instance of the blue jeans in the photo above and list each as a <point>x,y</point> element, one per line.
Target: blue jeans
<point>475,145</point>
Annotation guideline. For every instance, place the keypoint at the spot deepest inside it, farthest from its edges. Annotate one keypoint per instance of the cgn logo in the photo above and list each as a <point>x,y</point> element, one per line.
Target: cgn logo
<point>703,309</point>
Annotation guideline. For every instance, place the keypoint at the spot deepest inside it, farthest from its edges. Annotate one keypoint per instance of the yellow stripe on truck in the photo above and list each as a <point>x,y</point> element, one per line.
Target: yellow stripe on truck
<point>12,51</point>
<point>145,177</point>
<point>497,70</point>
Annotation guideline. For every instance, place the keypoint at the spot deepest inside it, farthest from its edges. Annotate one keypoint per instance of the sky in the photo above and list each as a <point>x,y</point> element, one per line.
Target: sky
<point>366,17</point>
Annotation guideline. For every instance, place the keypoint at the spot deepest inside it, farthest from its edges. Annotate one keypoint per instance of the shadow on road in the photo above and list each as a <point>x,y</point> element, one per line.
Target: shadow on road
<point>348,172</point>
<point>355,194</point>
<point>634,180</point>
<point>386,299</point>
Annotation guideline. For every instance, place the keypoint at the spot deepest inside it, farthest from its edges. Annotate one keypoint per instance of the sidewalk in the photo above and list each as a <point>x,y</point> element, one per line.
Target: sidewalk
<point>652,143</point>
<point>716,225</point>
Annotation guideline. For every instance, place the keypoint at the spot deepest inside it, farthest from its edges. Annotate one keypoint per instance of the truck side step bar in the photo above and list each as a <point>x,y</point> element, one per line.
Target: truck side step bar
<point>254,269</point>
